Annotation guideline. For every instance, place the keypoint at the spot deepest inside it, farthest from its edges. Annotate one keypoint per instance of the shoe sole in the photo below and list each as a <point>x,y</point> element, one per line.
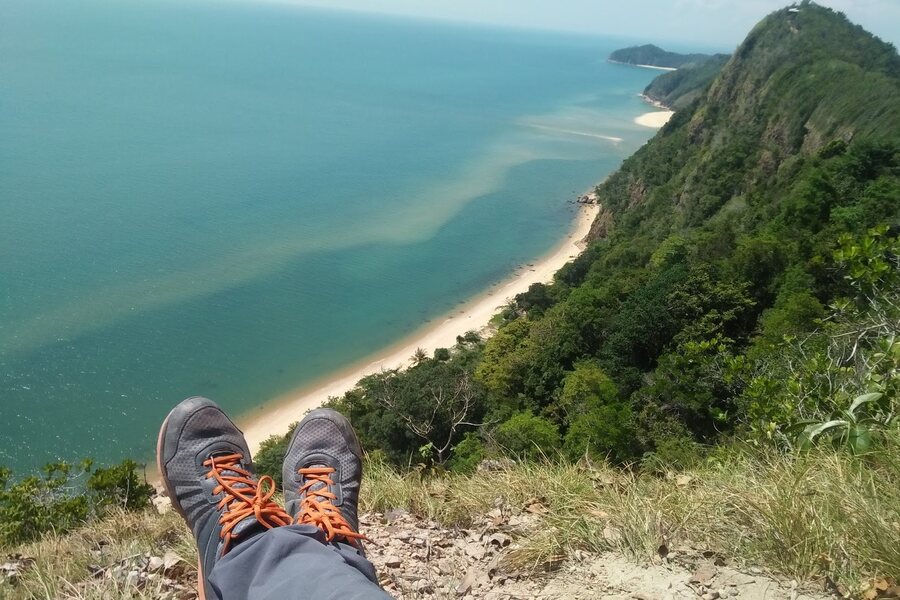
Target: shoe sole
<point>201,586</point>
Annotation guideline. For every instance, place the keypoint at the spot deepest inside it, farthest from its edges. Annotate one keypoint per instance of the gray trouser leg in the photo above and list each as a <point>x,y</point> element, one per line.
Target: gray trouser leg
<point>294,563</point>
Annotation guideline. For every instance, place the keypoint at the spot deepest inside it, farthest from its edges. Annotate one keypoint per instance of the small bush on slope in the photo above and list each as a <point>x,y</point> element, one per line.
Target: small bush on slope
<point>60,500</point>
<point>64,564</point>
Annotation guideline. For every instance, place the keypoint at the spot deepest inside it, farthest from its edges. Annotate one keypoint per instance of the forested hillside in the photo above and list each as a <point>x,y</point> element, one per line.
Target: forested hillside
<point>679,89</point>
<point>734,260</point>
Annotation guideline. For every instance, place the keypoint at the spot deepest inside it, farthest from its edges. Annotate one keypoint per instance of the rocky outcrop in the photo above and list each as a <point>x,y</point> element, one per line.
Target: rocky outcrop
<point>602,225</point>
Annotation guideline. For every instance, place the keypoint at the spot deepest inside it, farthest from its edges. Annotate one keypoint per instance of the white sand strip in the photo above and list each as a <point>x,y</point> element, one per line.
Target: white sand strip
<point>655,119</point>
<point>274,417</point>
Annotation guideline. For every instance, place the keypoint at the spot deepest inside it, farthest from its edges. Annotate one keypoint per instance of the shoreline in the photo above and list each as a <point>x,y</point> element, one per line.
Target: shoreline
<point>657,118</point>
<point>654,119</point>
<point>657,103</point>
<point>274,416</point>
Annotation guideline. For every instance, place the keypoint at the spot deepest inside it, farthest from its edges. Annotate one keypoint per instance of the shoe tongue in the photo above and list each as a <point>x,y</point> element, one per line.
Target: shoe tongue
<point>224,472</point>
<point>319,485</point>
<point>232,484</point>
<point>249,526</point>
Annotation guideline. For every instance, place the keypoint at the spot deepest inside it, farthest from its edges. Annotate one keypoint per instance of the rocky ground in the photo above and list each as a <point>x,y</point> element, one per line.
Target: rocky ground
<point>418,559</point>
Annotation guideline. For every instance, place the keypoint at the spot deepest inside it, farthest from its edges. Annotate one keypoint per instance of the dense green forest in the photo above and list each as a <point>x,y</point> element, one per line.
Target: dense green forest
<point>649,54</point>
<point>679,89</point>
<point>741,284</point>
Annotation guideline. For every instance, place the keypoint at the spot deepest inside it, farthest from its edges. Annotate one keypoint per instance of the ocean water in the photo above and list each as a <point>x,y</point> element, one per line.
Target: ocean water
<point>235,198</point>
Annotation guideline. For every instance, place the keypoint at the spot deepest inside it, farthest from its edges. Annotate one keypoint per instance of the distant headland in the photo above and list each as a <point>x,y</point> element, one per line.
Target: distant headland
<point>652,56</point>
<point>688,77</point>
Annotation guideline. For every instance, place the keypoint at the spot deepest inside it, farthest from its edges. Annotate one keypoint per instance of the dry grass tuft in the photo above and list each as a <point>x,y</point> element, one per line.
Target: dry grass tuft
<point>62,568</point>
<point>825,513</point>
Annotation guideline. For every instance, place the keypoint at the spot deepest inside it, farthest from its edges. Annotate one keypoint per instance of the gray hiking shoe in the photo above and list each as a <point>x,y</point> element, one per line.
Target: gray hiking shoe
<point>322,470</point>
<point>207,471</point>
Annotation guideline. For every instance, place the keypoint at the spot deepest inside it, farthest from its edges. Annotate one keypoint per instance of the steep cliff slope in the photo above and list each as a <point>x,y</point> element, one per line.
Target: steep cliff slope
<point>679,89</point>
<point>799,81</point>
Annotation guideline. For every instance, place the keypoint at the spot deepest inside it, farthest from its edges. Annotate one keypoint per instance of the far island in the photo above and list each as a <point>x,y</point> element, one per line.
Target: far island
<point>650,55</point>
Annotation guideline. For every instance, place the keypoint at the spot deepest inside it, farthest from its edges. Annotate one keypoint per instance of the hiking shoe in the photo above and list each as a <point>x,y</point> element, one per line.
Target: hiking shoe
<point>207,471</point>
<point>322,471</point>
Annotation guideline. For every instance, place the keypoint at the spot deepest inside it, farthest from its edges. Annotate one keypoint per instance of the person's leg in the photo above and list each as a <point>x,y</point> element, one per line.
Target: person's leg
<point>322,473</point>
<point>207,471</point>
<point>292,563</point>
<point>247,547</point>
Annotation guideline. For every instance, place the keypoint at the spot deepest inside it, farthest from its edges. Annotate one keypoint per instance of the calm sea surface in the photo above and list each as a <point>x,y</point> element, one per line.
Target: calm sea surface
<point>233,199</point>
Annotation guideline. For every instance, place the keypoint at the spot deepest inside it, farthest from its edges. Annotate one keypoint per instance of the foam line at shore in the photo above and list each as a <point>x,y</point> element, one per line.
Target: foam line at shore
<point>657,67</point>
<point>274,417</point>
<point>628,64</point>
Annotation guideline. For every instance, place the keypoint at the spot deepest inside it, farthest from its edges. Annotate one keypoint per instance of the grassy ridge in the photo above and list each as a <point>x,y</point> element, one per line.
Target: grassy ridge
<point>824,516</point>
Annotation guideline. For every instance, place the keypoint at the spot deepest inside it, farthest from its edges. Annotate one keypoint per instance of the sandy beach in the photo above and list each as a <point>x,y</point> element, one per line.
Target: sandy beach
<point>274,417</point>
<point>655,119</point>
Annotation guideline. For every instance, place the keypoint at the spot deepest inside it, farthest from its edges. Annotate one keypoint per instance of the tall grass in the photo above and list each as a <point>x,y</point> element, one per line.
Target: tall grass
<point>825,513</point>
<point>64,563</point>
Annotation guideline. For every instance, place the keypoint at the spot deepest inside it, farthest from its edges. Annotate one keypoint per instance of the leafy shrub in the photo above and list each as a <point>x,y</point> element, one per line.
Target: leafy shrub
<point>794,315</point>
<point>674,453</point>
<point>603,432</point>
<point>855,429</point>
<point>270,456</point>
<point>585,388</point>
<point>839,384</point>
<point>536,300</point>
<point>58,501</point>
<point>525,435</point>
<point>119,486</point>
<point>421,413</point>
<point>467,454</point>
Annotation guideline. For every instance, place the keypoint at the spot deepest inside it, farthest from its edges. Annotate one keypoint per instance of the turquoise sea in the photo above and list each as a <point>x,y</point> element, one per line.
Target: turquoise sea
<point>235,198</point>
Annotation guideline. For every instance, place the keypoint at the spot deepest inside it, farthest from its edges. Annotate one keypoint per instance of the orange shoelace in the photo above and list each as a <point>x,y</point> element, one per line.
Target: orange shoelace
<point>251,498</point>
<point>321,512</point>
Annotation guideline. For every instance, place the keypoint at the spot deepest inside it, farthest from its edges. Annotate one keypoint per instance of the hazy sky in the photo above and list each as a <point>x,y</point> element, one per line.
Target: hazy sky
<point>706,22</point>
